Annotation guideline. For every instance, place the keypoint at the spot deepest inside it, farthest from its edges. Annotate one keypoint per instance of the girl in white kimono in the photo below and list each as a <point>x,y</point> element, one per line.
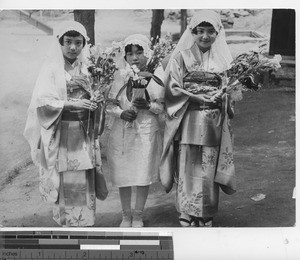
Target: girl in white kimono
<point>135,144</point>
<point>60,129</point>
<point>197,151</point>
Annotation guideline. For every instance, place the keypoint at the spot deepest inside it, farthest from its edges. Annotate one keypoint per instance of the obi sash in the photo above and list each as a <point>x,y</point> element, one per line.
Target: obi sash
<point>200,125</point>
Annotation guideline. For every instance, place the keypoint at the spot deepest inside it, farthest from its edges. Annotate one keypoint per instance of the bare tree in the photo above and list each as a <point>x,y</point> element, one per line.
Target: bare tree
<point>87,18</point>
<point>157,19</point>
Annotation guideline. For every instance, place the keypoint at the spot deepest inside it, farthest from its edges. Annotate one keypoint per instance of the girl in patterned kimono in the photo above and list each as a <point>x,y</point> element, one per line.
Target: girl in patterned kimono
<point>60,129</point>
<point>134,151</point>
<point>197,151</point>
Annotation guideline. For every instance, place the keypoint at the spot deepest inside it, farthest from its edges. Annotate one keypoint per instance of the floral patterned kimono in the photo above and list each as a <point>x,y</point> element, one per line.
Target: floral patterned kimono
<point>76,150</point>
<point>63,144</point>
<point>197,142</point>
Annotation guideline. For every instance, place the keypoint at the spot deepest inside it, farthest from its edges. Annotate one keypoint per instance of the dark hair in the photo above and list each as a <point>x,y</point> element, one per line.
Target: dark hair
<point>70,34</point>
<point>204,24</point>
<point>128,48</point>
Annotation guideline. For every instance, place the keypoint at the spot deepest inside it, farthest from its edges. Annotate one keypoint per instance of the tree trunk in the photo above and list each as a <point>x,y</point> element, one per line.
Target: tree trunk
<point>183,20</point>
<point>157,19</point>
<point>87,18</point>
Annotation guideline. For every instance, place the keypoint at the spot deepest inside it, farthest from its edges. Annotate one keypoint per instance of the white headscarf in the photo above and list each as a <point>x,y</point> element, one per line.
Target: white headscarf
<point>141,40</point>
<point>77,27</point>
<point>134,39</point>
<point>219,51</point>
<point>122,64</point>
<point>50,88</point>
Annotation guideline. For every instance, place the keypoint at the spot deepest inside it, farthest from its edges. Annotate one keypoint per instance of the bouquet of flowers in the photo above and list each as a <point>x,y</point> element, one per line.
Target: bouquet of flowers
<point>248,70</point>
<point>137,80</point>
<point>246,73</point>
<point>161,48</point>
<point>101,67</point>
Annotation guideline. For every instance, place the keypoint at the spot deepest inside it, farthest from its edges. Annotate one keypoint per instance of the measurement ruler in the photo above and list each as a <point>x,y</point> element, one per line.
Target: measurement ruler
<point>85,245</point>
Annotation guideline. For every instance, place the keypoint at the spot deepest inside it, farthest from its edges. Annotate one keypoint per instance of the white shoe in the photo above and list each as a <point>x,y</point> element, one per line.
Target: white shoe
<point>126,220</point>
<point>137,220</point>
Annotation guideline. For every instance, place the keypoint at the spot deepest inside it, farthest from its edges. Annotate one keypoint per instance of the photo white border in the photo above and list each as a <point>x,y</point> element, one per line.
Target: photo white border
<point>193,243</point>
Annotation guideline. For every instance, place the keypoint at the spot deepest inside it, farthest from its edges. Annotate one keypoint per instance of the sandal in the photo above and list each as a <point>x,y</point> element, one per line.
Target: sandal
<point>205,222</point>
<point>185,220</point>
<point>194,222</point>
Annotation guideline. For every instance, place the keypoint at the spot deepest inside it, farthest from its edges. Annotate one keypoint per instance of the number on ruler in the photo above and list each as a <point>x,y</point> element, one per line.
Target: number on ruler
<point>139,252</point>
<point>135,253</point>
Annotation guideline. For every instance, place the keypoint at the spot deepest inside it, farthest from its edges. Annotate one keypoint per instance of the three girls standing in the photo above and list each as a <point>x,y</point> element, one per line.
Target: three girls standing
<point>197,150</point>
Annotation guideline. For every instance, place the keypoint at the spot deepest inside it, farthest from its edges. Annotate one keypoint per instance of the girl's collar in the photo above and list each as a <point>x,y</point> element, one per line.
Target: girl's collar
<point>73,64</point>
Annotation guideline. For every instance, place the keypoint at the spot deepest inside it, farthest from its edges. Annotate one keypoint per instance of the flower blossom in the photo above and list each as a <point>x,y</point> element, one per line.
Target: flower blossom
<point>117,45</point>
<point>135,69</point>
<point>276,61</point>
<point>108,50</point>
<point>144,82</point>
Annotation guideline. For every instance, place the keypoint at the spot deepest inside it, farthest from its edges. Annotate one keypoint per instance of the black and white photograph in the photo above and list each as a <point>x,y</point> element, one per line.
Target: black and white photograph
<point>148,118</point>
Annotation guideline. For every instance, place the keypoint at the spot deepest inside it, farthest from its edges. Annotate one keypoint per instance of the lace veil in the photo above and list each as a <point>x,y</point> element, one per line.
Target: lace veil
<point>135,39</point>
<point>219,52</point>
<point>50,87</point>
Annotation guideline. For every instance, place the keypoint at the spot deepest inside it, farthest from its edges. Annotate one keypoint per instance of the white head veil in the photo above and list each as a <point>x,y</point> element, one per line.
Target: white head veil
<point>219,50</point>
<point>50,87</point>
<point>77,27</point>
<point>141,40</point>
<point>134,39</point>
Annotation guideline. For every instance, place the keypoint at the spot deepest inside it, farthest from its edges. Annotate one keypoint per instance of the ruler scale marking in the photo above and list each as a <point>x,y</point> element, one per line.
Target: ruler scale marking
<point>39,245</point>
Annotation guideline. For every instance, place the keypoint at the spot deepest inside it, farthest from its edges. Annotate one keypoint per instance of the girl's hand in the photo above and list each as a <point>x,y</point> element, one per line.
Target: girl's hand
<point>200,98</point>
<point>141,103</point>
<point>98,97</point>
<point>217,98</point>
<point>86,104</point>
<point>128,115</point>
<point>81,104</point>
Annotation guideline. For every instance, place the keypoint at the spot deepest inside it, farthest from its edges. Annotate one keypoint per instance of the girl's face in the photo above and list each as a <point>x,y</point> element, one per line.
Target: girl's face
<point>205,37</point>
<point>72,47</point>
<point>136,57</point>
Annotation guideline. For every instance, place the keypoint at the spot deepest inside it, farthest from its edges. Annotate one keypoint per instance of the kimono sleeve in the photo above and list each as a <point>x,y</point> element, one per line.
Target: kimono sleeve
<point>48,115</point>
<point>175,96</point>
<point>50,100</point>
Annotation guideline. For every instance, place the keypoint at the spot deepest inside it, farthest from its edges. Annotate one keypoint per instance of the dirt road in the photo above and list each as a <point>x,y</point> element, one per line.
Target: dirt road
<point>264,153</point>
